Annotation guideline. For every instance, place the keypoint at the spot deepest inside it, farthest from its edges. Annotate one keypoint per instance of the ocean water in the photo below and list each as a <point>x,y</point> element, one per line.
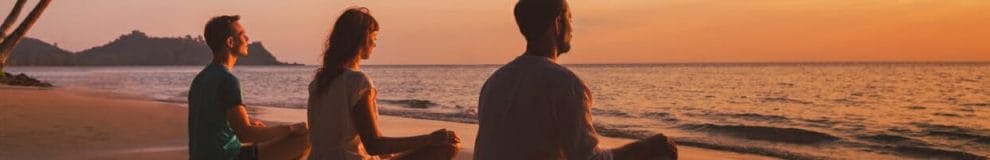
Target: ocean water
<point>790,111</point>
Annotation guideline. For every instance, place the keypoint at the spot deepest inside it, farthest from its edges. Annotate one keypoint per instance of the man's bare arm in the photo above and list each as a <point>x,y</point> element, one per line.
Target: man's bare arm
<point>249,131</point>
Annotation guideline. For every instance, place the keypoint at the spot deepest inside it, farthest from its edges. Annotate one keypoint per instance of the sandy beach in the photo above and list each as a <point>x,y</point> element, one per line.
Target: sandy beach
<point>76,124</point>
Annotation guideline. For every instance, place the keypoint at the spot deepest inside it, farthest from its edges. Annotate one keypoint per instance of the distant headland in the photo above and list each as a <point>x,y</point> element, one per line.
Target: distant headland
<point>133,49</point>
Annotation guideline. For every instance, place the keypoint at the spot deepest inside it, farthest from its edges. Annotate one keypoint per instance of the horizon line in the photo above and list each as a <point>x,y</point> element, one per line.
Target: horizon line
<point>582,64</point>
<point>720,63</point>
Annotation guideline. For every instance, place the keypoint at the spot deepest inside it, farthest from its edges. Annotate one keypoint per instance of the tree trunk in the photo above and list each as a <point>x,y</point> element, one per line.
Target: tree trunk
<point>10,40</point>
<point>11,18</point>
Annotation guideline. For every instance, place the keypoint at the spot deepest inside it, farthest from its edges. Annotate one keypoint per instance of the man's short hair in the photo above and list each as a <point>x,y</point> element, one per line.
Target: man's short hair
<point>217,30</point>
<point>535,17</point>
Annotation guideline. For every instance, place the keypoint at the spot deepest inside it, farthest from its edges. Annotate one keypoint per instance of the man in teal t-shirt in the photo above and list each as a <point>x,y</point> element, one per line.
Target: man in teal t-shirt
<point>218,119</point>
<point>214,91</point>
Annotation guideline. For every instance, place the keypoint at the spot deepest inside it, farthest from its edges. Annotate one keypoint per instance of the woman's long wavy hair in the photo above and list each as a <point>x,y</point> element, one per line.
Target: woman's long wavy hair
<point>349,37</point>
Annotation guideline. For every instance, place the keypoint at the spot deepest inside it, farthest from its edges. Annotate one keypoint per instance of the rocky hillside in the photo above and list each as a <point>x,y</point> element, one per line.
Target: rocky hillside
<point>135,48</point>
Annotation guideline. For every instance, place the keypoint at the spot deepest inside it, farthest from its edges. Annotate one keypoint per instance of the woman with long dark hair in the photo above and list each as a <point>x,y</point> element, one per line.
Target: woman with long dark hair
<point>342,112</point>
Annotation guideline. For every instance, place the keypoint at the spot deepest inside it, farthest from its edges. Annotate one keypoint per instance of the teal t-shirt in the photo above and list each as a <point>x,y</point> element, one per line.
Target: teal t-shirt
<point>212,93</point>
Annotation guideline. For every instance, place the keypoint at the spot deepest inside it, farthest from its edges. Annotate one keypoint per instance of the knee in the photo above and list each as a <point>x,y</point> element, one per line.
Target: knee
<point>665,145</point>
<point>448,149</point>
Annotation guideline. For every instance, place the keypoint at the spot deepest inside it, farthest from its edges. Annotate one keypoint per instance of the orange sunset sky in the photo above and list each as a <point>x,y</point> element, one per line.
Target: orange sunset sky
<point>606,31</point>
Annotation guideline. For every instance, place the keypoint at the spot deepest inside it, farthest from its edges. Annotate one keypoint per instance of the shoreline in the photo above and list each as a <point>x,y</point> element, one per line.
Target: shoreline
<point>98,125</point>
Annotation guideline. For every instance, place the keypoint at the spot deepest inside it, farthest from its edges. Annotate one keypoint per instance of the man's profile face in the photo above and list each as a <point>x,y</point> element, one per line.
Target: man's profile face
<point>564,31</point>
<point>239,41</point>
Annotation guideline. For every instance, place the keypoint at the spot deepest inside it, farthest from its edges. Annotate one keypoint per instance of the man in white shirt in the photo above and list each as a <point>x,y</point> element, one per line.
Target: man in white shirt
<point>535,109</point>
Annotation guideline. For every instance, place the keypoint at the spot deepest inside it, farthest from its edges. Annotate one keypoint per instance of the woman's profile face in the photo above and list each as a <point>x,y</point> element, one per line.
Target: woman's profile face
<point>370,47</point>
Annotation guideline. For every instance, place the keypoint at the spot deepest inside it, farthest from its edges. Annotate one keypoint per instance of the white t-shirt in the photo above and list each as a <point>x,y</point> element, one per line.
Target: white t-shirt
<point>332,131</point>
